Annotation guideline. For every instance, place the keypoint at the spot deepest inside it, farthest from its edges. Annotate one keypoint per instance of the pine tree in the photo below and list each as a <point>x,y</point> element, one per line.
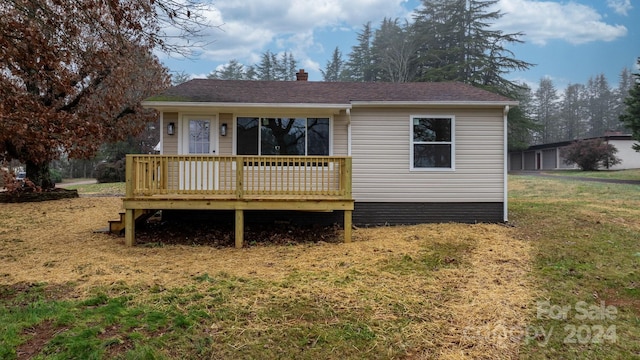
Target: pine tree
<point>234,70</point>
<point>631,118</point>
<point>546,111</point>
<point>333,70</point>
<point>573,113</point>
<point>266,69</point>
<point>359,65</point>
<point>600,106</point>
<point>520,122</point>
<point>456,44</point>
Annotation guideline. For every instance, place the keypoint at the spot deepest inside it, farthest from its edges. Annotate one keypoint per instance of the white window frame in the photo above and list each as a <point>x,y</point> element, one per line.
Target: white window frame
<point>261,117</point>
<point>452,143</point>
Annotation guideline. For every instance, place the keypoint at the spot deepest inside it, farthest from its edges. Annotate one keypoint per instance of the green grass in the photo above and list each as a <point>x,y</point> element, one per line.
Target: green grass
<point>586,249</point>
<point>633,174</point>
<point>99,189</point>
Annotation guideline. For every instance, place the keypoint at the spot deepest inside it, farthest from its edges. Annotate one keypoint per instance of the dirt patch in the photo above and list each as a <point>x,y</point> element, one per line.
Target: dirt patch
<point>33,196</point>
<point>39,336</point>
<point>113,342</point>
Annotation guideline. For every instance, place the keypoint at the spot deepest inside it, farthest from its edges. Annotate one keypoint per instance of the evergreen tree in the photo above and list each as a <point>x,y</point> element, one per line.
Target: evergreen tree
<point>456,44</point>
<point>359,65</point>
<point>293,67</point>
<point>333,70</point>
<point>620,94</point>
<point>234,70</point>
<point>546,111</point>
<point>266,69</point>
<point>573,113</point>
<point>631,118</point>
<point>520,122</point>
<point>600,106</point>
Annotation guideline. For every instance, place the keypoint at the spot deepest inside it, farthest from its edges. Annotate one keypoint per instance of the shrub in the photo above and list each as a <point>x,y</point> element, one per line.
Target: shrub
<point>110,172</point>
<point>56,175</point>
<point>590,154</point>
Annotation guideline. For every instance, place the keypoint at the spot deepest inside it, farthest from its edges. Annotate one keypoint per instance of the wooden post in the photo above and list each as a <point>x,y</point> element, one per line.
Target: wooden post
<point>347,225</point>
<point>239,177</point>
<point>129,176</point>
<point>129,228</point>
<point>346,178</point>
<point>239,228</point>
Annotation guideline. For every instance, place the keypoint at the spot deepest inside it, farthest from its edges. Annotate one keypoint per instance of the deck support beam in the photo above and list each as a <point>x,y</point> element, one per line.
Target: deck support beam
<point>239,228</point>
<point>129,228</point>
<point>347,225</point>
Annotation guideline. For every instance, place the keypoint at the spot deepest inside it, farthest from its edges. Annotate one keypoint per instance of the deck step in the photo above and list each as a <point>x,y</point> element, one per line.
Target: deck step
<point>139,215</point>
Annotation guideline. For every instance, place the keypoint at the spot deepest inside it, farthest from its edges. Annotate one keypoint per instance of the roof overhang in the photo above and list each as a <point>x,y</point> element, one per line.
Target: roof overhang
<point>465,104</point>
<point>239,107</point>
<point>316,108</point>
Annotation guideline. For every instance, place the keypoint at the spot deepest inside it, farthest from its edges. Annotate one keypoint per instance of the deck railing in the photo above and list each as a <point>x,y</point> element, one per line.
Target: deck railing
<point>240,177</point>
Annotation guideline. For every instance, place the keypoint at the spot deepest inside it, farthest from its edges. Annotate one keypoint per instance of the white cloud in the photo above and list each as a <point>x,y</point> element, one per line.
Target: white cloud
<point>621,7</point>
<point>250,27</point>
<point>542,21</point>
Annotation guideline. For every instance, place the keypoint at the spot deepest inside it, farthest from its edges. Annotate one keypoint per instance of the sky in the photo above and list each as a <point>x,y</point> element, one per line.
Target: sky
<point>568,41</point>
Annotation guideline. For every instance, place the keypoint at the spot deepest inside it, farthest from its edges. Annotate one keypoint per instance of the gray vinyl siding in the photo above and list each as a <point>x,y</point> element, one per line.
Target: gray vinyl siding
<point>381,160</point>
<point>170,142</point>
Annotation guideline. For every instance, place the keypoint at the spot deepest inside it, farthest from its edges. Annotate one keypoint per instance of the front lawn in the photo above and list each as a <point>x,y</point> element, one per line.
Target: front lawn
<point>560,281</point>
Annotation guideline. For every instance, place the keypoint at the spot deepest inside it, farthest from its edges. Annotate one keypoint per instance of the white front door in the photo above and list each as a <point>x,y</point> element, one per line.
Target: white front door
<point>199,134</point>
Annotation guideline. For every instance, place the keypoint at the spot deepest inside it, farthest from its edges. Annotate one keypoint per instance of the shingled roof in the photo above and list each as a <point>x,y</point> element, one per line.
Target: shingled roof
<point>311,92</point>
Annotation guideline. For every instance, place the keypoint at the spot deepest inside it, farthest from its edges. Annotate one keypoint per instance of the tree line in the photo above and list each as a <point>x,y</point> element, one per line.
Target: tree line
<point>451,41</point>
<point>447,40</point>
<point>69,84</point>
<point>579,111</point>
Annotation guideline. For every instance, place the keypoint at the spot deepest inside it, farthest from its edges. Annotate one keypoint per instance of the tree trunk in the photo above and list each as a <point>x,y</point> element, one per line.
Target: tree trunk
<point>39,175</point>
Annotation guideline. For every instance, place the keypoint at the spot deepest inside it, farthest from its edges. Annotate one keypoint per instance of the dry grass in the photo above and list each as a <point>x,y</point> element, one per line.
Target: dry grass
<point>470,303</point>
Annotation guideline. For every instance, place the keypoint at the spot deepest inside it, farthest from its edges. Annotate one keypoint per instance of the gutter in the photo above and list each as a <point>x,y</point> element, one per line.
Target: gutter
<point>474,104</point>
<point>506,166</point>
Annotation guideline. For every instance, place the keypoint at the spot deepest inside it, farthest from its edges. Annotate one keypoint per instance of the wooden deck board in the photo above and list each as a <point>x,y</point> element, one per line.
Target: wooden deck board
<point>299,183</point>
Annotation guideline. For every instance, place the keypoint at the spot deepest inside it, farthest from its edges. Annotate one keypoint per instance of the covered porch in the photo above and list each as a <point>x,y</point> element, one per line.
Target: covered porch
<point>238,183</point>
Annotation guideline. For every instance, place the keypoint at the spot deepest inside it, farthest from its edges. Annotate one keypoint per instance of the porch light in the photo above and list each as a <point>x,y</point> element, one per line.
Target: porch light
<point>223,129</point>
<point>171,128</point>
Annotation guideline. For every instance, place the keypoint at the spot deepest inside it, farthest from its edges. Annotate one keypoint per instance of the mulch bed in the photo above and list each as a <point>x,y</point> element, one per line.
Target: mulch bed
<point>37,196</point>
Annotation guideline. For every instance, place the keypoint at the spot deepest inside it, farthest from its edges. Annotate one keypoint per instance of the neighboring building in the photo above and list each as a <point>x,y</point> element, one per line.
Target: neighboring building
<point>393,153</point>
<point>549,156</point>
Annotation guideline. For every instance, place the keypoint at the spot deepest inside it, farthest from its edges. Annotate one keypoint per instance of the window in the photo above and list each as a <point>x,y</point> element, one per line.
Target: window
<point>199,139</point>
<point>432,142</point>
<point>282,136</point>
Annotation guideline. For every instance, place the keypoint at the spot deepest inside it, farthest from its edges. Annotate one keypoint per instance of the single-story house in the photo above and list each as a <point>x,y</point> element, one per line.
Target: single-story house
<point>374,153</point>
<point>549,156</point>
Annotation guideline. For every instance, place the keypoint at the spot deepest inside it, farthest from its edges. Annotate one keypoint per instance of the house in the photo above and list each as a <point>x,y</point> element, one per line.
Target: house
<point>373,153</point>
<point>549,156</point>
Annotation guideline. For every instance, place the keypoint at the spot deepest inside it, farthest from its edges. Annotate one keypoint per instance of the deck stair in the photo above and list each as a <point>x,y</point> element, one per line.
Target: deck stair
<point>140,215</point>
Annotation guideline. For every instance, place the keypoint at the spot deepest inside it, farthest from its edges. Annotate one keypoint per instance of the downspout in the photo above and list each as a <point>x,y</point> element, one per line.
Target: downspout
<point>162,133</point>
<point>348,132</point>
<point>506,153</point>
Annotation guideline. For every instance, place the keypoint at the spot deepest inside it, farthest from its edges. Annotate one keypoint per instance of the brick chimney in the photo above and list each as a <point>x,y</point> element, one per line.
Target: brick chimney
<point>302,75</point>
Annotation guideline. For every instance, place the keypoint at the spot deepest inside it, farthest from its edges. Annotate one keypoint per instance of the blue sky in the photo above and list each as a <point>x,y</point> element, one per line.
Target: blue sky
<point>569,41</point>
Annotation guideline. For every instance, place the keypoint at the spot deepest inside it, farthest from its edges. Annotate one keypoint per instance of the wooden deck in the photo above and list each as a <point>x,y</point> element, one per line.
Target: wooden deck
<point>238,183</point>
